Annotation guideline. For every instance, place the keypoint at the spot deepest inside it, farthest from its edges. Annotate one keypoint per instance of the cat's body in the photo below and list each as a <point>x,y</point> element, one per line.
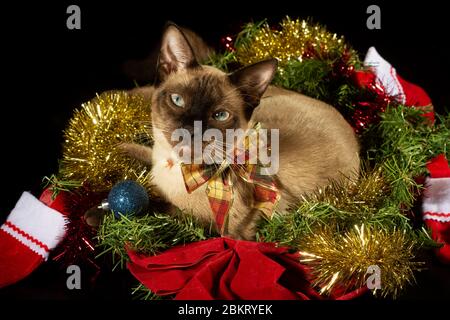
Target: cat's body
<point>316,144</point>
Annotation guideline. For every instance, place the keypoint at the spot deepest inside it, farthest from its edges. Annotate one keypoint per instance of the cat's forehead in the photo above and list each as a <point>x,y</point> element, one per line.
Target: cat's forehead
<point>203,87</point>
<point>203,78</point>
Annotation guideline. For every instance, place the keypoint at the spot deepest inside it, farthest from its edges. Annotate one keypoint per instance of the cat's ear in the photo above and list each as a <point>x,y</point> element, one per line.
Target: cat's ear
<point>175,53</point>
<point>254,79</point>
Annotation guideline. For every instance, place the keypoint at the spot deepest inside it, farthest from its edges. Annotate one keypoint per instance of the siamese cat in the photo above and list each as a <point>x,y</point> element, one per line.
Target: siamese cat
<point>316,144</point>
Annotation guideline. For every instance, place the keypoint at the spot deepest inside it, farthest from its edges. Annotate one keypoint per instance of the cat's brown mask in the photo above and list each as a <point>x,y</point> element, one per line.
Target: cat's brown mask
<point>188,91</point>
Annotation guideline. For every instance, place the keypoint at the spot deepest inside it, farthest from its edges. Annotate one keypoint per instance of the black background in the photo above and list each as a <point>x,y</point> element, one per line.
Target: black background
<point>49,70</point>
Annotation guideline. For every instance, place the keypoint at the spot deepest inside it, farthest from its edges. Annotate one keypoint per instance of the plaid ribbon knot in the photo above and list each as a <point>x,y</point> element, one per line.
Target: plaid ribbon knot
<point>219,188</point>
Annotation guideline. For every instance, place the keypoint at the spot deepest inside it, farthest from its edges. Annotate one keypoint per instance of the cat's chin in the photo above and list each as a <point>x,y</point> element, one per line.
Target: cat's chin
<point>182,154</point>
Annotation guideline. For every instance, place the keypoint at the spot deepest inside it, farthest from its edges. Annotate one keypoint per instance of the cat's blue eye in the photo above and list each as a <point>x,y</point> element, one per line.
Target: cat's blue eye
<point>177,100</point>
<point>221,115</point>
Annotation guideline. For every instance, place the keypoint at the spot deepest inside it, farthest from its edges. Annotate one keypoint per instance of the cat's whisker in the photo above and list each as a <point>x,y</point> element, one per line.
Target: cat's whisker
<point>144,121</point>
<point>164,130</point>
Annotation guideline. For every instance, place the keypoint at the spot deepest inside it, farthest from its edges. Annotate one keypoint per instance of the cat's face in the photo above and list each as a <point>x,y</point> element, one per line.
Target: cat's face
<point>203,95</point>
<point>197,98</point>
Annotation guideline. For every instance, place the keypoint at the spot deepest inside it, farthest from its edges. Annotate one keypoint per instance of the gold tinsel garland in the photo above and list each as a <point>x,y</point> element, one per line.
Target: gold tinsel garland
<point>90,153</point>
<point>342,259</point>
<point>346,227</point>
<point>294,40</point>
<point>363,195</point>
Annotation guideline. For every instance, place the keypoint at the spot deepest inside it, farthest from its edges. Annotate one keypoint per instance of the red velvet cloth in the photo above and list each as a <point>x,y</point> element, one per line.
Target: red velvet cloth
<point>223,268</point>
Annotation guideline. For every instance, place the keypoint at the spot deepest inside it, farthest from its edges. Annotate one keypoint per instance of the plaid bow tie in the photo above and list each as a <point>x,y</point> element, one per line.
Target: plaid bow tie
<point>219,188</point>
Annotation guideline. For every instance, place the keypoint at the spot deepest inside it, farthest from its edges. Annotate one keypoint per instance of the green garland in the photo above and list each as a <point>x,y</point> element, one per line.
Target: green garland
<point>148,234</point>
<point>403,142</point>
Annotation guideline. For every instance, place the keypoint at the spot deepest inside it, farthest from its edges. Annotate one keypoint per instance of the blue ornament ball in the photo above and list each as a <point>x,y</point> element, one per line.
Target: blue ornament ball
<point>128,198</point>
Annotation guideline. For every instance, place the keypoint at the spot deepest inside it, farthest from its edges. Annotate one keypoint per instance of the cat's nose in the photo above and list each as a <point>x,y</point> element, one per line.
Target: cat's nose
<point>190,129</point>
<point>194,127</point>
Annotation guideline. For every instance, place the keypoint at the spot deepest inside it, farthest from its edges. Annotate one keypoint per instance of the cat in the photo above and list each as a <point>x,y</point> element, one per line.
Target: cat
<point>316,144</point>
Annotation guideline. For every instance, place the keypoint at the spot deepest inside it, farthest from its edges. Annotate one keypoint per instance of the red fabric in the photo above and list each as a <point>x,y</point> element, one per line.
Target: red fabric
<point>438,167</point>
<point>28,237</point>
<point>364,79</point>
<point>223,268</point>
<point>430,116</point>
<point>441,234</point>
<point>415,95</point>
<point>17,260</point>
<point>59,203</point>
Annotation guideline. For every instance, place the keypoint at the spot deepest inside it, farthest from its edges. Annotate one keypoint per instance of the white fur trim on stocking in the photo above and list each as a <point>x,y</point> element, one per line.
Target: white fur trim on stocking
<point>436,202</point>
<point>35,225</point>
<point>386,74</point>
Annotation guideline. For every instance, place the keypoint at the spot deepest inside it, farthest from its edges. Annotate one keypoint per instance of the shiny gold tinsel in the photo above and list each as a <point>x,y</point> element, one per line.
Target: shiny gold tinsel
<point>294,40</point>
<point>361,196</point>
<point>90,153</point>
<point>343,258</point>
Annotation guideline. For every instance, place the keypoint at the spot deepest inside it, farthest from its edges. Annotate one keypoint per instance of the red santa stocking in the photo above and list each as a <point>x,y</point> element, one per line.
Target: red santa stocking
<point>436,205</point>
<point>395,86</point>
<point>31,230</point>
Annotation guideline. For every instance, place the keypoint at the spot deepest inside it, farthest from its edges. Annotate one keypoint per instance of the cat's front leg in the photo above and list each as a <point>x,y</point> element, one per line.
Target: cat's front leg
<point>245,227</point>
<point>137,151</point>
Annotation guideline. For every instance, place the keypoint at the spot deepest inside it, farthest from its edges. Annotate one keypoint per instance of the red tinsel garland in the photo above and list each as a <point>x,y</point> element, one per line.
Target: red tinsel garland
<point>78,245</point>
